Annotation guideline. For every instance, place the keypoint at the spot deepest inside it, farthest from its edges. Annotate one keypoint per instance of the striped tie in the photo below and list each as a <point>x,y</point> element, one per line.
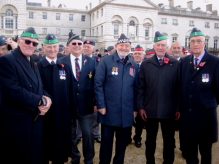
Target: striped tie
<point>77,68</point>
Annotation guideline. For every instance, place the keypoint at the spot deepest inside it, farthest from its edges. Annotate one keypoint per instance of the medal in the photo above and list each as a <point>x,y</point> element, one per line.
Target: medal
<point>205,78</point>
<point>131,71</point>
<point>115,71</point>
<point>62,74</point>
<point>90,75</point>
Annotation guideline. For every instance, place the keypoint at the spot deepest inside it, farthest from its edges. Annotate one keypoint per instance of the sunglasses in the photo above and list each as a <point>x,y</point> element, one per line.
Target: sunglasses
<point>28,42</point>
<point>75,43</point>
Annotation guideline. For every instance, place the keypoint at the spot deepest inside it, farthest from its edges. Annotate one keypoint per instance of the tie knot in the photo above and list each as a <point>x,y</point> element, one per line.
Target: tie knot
<point>76,59</point>
<point>196,61</point>
<point>160,61</point>
<point>52,63</point>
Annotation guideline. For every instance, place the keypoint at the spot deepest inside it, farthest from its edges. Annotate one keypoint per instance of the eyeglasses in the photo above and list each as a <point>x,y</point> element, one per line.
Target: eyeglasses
<point>28,42</point>
<point>75,43</point>
<point>196,41</point>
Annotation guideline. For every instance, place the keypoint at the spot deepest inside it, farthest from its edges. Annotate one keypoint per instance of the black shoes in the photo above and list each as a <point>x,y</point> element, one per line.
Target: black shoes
<point>97,139</point>
<point>138,144</point>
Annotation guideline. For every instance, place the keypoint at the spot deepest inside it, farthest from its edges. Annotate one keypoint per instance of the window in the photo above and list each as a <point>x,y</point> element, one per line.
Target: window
<point>216,25</point>
<point>101,32</point>
<point>97,14</point>
<point>146,32</point>
<point>187,42</point>
<point>163,20</point>
<point>175,22</point>
<point>101,12</point>
<point>44,31</point>
<point>207,25</point>
<point>70,17</point>
<point>116,29</point>
<point>174,38</point>
<point>83,17</point>
<point>83,32</point>
<point>44,15</point>
<point>191,23</point>
<point>132,29</point>
<point>206,42</point>
<point>9,19</point>
<point>58,16</point>
<point>92,32</point>
<point>31,14</point>
<point>215,44</point>
<point>97,31</point>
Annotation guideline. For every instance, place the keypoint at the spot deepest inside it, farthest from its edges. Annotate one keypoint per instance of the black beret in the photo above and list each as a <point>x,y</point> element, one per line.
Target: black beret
<point>74,37</point>
<point>91,42</point>
<point>3,40</point>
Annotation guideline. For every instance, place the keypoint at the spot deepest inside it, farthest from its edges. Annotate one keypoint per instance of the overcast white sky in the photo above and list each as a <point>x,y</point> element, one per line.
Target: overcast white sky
<point>80,4</point>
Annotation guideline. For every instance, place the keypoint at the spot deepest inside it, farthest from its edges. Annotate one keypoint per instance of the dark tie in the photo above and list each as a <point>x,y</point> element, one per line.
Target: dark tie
<point>77,69</point>
<point>52,63</point>
<point>160,61</point>
<point>196,62</point>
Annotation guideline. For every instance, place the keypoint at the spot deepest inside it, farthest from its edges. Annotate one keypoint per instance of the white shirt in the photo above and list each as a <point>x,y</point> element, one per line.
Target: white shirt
<point>72,58</point>
<point>50,60</point>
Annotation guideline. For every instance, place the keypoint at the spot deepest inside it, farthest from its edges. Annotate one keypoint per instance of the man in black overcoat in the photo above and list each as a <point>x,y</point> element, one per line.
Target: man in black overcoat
<point>57,82</point>
<point>24,104</point>
<point>199,76</point>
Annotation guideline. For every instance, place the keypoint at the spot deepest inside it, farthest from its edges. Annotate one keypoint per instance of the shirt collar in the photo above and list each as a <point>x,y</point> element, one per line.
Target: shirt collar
<point>79,58</point>
<point>50,60</point>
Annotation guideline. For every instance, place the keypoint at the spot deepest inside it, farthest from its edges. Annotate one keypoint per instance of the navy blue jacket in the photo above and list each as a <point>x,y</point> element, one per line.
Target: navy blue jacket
<point>83,90</point>
<point>21,134</point>
<point>115,85</point>
<point>199,90</point>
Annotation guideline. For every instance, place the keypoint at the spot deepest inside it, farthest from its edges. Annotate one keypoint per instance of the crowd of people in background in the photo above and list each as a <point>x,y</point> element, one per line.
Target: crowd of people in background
<point>55,96</point>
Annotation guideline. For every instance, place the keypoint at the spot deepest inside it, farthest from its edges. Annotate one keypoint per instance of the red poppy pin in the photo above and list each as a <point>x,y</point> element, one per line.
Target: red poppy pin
<point>166,60</point>
<point>202,64</point>
<point>62,65</point>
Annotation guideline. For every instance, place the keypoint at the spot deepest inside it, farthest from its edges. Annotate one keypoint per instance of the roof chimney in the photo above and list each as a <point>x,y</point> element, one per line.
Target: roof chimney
<point>209,7</point>
<point>49,3</point>
<point>190,5</point>
<point>171,3</point>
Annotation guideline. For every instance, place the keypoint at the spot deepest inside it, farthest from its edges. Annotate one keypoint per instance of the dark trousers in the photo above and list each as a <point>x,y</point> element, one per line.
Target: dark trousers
<point>190,150</point>
<point>139,126</point>
<point>168,132</point>
<point>86,124</point>
<point>122,138</point>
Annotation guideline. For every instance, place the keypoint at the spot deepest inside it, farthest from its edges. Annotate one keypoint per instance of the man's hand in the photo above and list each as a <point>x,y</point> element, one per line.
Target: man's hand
<point>102,111</point>
<point>45,108</point>
<point>143,114</point>
<point>177,116</point>
<point>95,109</point>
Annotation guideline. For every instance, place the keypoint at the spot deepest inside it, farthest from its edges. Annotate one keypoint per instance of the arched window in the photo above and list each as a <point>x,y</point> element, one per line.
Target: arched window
<point>117,23</point>
<point>132,27</point>
<point>9,17</point>
<point>148,29</point>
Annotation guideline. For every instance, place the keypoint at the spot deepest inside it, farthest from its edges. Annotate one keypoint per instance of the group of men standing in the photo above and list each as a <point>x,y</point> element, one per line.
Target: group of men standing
<point>41,101</point>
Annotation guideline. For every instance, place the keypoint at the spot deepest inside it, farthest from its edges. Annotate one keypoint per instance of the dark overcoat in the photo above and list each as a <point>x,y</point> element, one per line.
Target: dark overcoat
<point>83,90</point>
<point>115,86</point>
<point>57,82</point>
<point>199,90</point>
<point>21,129</point>
<point>157,89</point>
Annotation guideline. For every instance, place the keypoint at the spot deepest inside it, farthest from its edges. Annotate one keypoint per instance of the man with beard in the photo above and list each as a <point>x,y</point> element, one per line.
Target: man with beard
<point>115,87</point>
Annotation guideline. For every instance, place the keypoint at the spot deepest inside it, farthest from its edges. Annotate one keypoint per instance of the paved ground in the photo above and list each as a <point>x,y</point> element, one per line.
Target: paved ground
<point>136,155</point>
